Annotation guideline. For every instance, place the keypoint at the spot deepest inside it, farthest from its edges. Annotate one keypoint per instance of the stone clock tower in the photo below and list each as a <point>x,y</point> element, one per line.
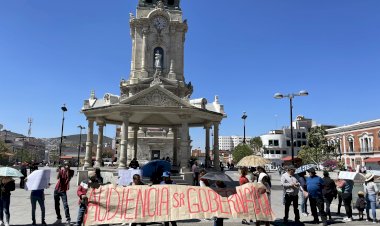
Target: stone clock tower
<point>158,36</point>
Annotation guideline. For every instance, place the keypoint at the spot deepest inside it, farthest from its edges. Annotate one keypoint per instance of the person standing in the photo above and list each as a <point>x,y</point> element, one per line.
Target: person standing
<point>361,205</point>
<point>195,170</point>
<point>371,191</point>
<point>339,187</point>
<point>243,180</point>
<point>329,192</point>
<point>167,180</point>
<point>347,199</point>
<point>291,189</point>
<point>64,176</point>
<point>7,185</point>
<point>91,182</point>
<point>38,196</point>
<point>303,187</point>
<point>99,177</point>
<point>315,185</point>
<point>24,172</point>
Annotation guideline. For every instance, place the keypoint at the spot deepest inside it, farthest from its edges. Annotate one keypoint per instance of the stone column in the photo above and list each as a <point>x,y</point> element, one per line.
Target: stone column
<point>175,146</point>
<point>207,142</point>
<point>124,142</point>
<point>216,145</point>
<point>144,73</point>
<point>89,143</point>
<point>99,149</point>
<point>184,149</point>
<point>135,130</point>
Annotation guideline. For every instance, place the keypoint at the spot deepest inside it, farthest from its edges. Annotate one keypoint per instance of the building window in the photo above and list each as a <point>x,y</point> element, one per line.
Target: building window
<point>275,142</point>
<point>298,135</point>
<point>284,152</point>
<point>278,152</point>
<point>304,143</point>
<point>271,152</point>
<point>350,144</point>
<point>170,2</point>
<point>270,142</point>
<point>299,143</point>
<point>303,135</point>
<point>288,143</point>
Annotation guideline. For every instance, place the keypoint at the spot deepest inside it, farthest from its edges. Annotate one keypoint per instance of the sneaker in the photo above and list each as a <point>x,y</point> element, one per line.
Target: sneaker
<point>348,220</point>
<point>244,221</point>
<point>1,223</point>
<point>305,214</point>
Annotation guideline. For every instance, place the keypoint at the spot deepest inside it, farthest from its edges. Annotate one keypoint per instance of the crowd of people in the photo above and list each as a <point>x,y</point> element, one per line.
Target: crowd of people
<point>320,192</point>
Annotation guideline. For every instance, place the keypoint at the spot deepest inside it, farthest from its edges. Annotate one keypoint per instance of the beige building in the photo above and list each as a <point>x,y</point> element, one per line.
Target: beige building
<point>154,110</point>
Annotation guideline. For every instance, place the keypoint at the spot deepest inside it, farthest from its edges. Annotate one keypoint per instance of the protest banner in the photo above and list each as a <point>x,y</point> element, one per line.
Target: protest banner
<point>137,204</point>
<point>126,176</point>
<point>38,179</point>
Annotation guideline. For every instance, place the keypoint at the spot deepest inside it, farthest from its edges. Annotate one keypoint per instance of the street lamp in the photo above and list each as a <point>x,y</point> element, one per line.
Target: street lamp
<point>244,117</point>
<point>80,142</point>
<point>291,96</point>
<point>63,108</point>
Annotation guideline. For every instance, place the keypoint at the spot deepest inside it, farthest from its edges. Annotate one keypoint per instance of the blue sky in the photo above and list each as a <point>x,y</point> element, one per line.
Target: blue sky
<point>55,52</point>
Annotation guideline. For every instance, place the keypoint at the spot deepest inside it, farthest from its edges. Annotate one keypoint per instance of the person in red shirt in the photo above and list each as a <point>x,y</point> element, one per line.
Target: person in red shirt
<point>243,173</point>
<point>64,176</point>
<point>243,180</point>
<point>92,182</point>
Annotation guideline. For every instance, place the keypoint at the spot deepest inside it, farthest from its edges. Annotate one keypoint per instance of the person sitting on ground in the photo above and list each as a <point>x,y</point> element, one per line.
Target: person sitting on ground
<point>166,178</point>
<point>136,180</point>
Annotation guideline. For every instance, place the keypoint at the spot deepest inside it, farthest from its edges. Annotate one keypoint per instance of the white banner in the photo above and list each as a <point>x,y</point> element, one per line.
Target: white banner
<point>126,176</point>
<point>38,179</point>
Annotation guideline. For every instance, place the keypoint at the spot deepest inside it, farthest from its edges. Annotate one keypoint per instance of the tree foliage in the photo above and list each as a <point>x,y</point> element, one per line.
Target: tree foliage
<point>317,149</point>
<point>256,144</point>
<point>241,151</point>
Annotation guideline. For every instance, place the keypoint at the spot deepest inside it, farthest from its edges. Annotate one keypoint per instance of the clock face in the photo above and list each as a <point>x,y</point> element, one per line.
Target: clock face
<point>160,22</point>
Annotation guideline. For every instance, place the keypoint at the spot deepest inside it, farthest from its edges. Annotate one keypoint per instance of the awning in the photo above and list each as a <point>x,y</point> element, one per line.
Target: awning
<point>66,157</point>
<point>289,158</point>
<point>372,160</point>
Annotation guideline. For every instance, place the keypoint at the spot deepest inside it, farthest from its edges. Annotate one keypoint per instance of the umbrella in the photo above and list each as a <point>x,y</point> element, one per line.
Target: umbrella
<point>253,161</point>
<point>217,176</point>
<point>10,172</point>
<point>155,166</point>
<point>305,168</point>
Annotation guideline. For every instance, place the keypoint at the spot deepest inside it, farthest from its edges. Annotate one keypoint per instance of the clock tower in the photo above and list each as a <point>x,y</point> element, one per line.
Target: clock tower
<point>158,36</point>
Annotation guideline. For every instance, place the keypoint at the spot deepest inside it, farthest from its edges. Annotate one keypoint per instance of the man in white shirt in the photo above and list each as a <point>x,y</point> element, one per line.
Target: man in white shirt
<point>291,189</point>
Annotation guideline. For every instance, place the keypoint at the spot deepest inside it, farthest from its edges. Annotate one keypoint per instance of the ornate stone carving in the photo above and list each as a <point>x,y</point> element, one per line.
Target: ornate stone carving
<point>156,98</point>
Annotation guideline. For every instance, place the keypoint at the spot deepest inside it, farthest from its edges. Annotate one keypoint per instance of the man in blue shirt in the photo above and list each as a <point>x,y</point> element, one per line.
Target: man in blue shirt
<point>314,186</point>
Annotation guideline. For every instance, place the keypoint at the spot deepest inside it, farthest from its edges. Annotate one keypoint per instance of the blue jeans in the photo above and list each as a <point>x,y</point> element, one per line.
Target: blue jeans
<point>303,202</point>
<point>41,202</point>
<point>371,203</point>
<point>5,201</point>
<point>63,196</point>
<point>81,211</point>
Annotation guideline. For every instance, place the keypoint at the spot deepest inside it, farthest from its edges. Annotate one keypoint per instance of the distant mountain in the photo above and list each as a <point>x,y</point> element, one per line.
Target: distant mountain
<point>74,139</point>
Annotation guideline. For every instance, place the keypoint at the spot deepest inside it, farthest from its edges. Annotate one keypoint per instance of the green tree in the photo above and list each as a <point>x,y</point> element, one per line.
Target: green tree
<point>317,150</point>
<point>256,144</point>
<point>241,151</point>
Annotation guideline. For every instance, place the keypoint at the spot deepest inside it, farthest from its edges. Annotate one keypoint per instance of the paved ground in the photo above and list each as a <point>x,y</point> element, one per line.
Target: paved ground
<point>21,208</point>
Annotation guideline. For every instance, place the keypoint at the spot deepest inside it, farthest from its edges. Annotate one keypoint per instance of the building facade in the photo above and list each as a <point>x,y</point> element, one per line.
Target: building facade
<point>228,143</point>
<point>357,144</point>
<point>277,143</point>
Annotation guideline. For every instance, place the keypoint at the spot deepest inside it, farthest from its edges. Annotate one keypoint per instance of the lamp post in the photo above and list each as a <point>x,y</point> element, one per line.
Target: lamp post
<point>244,117</point>
<point>80,142</point>
<point>291,96</point>
<point>63,108</point>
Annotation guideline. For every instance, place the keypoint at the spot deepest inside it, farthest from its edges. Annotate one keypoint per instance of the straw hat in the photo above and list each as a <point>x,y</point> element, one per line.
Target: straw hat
<point>368,177</point>
<point>360,193</point>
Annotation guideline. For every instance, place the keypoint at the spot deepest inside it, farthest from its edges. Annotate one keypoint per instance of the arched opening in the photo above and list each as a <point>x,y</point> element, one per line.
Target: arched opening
<point>149,1</point>
<point>160,51</point>
<point>170,2</point>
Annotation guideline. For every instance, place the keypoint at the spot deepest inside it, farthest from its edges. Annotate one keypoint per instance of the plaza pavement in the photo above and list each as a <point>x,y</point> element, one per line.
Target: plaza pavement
<point>21,209</point>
